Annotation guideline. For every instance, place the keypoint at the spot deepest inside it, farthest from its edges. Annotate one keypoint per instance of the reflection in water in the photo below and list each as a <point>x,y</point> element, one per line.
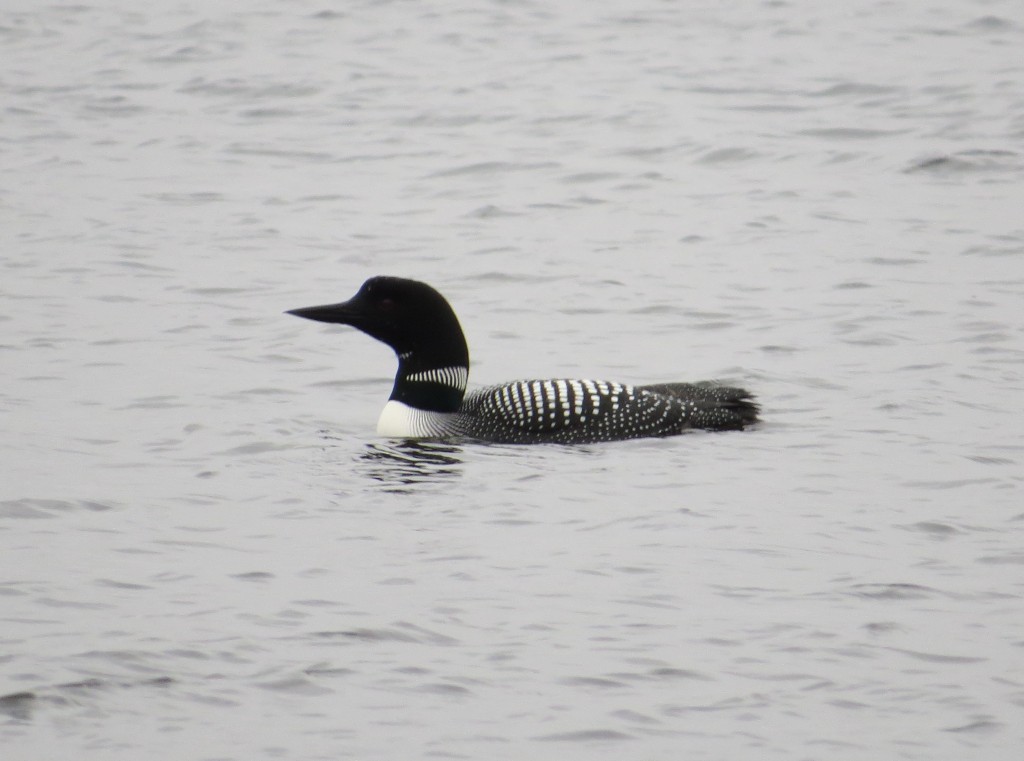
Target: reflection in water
<point>20,706</point>
<point>412,462</point>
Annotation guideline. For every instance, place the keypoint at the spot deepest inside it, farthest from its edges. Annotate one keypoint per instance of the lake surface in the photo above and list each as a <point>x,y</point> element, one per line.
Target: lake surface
<point>207,553</point>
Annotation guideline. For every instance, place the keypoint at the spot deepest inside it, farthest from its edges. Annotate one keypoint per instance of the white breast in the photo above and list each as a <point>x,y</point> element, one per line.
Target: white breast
<point>402,421</point>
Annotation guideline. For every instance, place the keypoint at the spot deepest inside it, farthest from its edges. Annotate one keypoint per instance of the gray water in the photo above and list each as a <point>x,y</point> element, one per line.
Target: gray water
<point>206,552</point>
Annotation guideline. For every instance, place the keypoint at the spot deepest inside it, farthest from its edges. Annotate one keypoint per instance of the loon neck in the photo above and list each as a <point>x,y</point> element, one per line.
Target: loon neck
<point>434,386</point>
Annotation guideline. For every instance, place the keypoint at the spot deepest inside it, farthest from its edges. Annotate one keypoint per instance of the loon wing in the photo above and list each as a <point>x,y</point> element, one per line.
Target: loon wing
<point>571,411</point>
<point>724,407</point>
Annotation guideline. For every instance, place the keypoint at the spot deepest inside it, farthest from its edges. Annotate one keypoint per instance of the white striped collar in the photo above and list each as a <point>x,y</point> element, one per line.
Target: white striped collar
<point>454,377</point>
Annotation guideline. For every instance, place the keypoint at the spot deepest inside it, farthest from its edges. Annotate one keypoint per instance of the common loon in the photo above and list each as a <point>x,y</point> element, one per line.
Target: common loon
<point>429,398</point>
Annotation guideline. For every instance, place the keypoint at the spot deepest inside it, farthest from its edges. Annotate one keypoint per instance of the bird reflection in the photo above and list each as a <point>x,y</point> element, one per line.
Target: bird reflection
<point>412,463</point>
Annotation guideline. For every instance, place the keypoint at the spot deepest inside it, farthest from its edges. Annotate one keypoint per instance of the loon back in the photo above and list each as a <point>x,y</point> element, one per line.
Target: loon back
<point>429,397</point>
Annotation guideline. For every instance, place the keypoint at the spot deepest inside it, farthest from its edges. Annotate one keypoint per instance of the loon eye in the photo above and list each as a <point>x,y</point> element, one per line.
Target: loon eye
<point>386,304</point>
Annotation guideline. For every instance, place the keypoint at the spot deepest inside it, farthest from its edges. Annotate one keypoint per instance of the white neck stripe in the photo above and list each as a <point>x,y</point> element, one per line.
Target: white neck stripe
<point>456,377</point>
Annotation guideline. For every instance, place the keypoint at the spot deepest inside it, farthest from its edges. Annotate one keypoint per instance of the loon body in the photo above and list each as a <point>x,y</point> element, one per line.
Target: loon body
<point>429,398</point>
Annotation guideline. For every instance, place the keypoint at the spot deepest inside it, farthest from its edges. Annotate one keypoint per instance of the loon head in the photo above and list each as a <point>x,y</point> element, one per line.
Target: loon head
<point>419,324</point>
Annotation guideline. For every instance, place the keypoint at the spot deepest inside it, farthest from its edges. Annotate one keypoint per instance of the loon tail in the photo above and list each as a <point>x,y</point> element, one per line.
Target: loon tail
<point>718,408</point>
